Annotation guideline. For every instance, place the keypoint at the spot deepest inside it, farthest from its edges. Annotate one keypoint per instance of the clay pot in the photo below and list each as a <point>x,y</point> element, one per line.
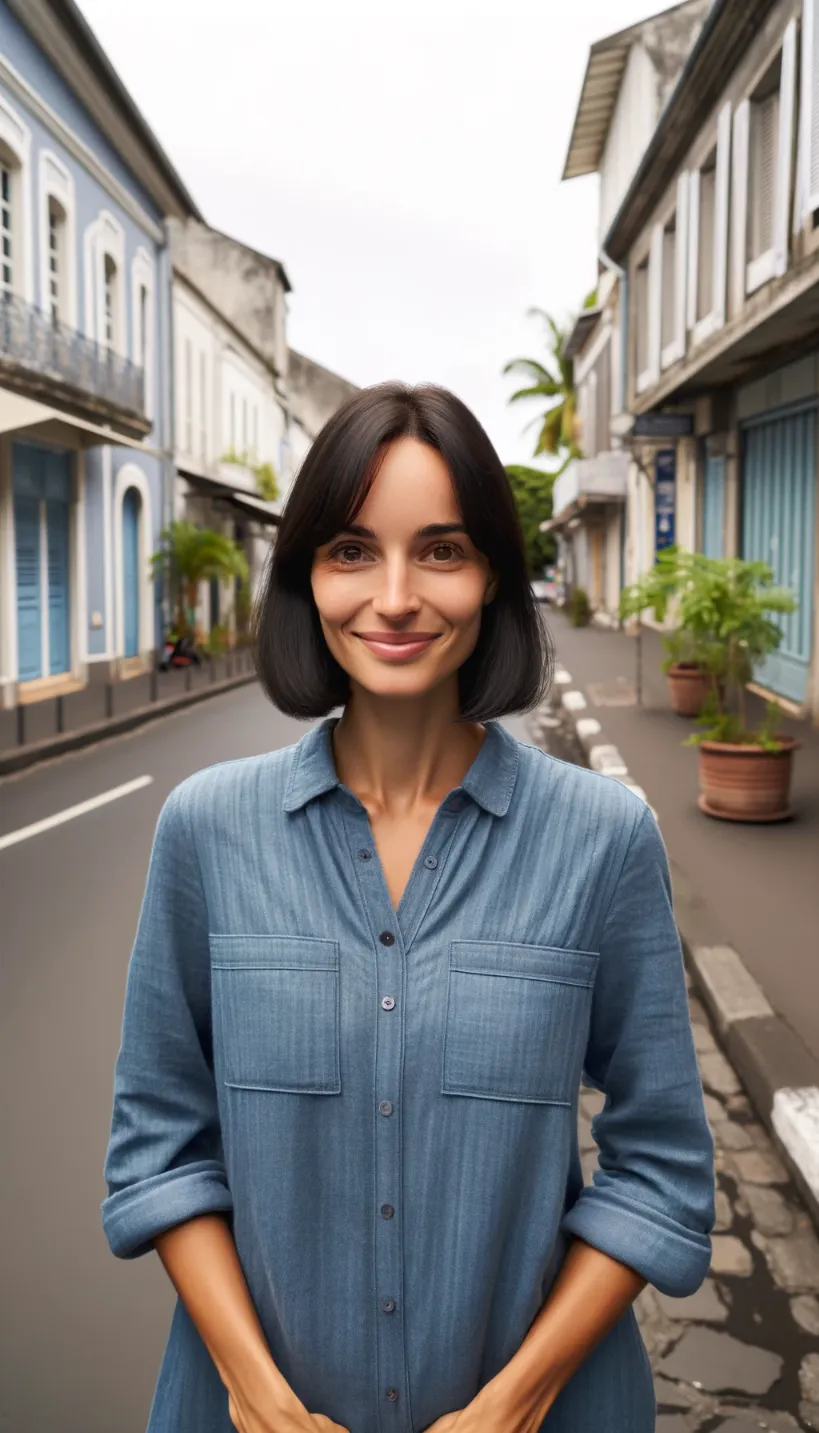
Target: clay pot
<point>746,783</point>
<point>688,687</point>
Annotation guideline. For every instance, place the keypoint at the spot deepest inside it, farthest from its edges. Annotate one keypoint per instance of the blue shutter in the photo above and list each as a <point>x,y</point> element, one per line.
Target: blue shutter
<point>778,526</point>
<point>59,617</point>
<point>29,596</point>
<point>713,506</point>
<point>130,570</point>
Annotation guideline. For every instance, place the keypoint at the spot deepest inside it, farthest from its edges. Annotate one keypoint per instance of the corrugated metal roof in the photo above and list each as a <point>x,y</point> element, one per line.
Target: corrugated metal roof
<point>601,86</point>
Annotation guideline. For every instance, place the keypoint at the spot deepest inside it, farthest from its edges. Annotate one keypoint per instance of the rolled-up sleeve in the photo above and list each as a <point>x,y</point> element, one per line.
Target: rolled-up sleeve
<point>164,1163</point>
<point>651,1205</point>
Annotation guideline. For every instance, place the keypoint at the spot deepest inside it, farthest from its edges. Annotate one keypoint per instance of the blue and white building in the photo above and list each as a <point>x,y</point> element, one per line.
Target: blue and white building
<point>86,440</point>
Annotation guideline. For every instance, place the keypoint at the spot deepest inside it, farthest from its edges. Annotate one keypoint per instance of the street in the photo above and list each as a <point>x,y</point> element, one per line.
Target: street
<point>81,1351</point>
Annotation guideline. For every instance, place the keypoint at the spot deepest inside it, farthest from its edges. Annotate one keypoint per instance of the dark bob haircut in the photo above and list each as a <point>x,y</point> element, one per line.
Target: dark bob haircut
<point>511,665</point>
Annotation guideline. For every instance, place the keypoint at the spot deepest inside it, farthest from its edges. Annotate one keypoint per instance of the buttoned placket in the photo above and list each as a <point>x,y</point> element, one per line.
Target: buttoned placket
<point>392,934</point>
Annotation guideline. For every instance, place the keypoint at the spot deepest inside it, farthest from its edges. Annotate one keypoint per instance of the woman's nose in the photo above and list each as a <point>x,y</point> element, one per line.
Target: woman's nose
<point>396,591</point>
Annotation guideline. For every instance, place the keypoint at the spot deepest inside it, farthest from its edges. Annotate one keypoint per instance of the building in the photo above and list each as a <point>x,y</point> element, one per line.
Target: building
<point>85,436</point>
<point>629,78</point>
<point>231,396</point>
<point>315,394</point>
<point>717,234</point>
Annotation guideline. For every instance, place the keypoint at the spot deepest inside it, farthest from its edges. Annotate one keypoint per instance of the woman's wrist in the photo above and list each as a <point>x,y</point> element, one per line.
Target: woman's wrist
<point>519,1397</point>
<point>254,1382</point>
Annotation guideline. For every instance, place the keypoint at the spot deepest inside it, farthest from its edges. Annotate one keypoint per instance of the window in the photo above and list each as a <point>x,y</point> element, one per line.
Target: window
<point>668,322</point>
<point>110,315</point>
<point>233,422</point>
<point>142,325</point>
<point>706,237</point>
<point>203,407</point>
<point>188,396</point>
<point>255,432</point>
<point>641,317</point>
<point>762,164</point>
<point>244,425</point>
<point>6,228</point>
<point>56,259</point>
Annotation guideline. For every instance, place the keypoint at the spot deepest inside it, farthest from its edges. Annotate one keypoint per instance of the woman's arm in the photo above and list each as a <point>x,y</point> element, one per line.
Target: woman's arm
<point>589,1295</point>
<point>202,1263</point>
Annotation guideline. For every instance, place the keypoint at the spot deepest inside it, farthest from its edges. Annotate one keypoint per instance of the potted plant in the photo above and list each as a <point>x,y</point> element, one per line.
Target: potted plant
<point>745,769</point>
<point>692,654</point>
<point>579,607</point>
<point>188,556</point>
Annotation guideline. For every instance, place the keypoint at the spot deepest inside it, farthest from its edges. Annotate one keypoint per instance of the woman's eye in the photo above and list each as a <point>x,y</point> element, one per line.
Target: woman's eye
<point>347,552</point>
<point>445,551</point>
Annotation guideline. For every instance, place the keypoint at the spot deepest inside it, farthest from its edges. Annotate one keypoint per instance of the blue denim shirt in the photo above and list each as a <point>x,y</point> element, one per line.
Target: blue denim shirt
<point>386,1102</point>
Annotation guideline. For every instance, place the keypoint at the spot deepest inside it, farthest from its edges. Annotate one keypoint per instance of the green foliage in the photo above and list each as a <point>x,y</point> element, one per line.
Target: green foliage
<point>579,607</point>
<point>189,555</point>
<point>726,611</point>
<point>216,642</point>
<point>532,489</point>
<point>265,474</point>
<point>553,381</point>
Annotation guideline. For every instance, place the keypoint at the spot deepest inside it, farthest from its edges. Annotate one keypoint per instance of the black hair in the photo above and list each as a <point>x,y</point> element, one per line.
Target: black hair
<point>511,666</point>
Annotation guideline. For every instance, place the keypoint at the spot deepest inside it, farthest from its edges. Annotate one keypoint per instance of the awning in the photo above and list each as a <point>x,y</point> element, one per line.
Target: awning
<point>245,502</point>
<point>40,421</point>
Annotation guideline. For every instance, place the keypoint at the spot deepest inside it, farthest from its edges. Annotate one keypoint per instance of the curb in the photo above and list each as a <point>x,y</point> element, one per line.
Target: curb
<point>19,758</point>
<point>780,1075</point>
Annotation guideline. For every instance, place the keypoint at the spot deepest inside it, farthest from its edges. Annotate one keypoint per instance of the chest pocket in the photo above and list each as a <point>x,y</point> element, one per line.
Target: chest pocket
<point>275,1006</point>
<point>517,1019</point>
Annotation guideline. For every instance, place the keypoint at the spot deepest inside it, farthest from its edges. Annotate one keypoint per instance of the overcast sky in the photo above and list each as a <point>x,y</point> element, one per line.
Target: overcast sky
<point>401,157</point>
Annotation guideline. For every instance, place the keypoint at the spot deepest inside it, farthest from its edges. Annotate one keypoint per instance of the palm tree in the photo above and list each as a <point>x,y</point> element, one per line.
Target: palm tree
<point>553,381</point>
<point>190,555</point>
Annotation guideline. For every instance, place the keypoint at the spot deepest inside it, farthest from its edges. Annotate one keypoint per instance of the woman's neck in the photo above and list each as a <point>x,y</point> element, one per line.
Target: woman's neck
<point>398,756</point>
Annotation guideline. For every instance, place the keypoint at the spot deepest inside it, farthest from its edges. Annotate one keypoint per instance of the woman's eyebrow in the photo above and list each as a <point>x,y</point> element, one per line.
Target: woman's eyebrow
<point>432,529</point>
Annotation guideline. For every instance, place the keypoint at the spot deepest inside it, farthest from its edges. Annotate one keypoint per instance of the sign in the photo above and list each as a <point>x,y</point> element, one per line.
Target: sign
<point>663,425</point>
<point>665,498</point>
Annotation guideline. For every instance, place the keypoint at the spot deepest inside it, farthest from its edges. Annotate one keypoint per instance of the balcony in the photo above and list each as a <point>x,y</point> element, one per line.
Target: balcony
<point>589,482</point>
<point>52,363</point>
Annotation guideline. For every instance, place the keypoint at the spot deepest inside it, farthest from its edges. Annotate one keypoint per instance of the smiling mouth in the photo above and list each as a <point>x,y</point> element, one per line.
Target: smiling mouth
<point>394,645</point>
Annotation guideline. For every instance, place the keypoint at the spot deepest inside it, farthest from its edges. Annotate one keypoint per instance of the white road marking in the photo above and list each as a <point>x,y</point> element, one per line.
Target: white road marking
<point>71,811</point>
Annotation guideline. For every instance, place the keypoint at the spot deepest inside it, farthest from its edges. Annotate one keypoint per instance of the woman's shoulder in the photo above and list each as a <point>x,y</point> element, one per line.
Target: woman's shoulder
<point>235,789</point>
<point>581,796</point>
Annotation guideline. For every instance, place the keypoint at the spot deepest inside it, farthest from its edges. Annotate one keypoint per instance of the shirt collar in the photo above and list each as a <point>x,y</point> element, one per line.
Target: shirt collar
<point>490,779</point>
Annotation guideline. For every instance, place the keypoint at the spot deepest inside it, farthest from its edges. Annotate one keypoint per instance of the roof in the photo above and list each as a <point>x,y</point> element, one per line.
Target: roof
<point>728,30</point>
<point>51,23</point>
<point>601,86</point>
<point>265,258</point>
<point>585,322</point>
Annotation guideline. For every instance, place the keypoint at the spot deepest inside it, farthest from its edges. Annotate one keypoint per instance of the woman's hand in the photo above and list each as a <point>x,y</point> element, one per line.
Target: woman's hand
<point>271,1415</point>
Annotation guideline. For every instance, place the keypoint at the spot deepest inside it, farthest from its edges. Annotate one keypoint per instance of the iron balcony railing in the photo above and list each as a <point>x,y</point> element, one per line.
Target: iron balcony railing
<point>35,343</point>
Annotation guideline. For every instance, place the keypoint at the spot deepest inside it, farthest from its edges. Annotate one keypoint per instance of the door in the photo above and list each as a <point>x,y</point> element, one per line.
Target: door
<point>59,621</point>
<point>29,587</point>
<point>778,527</point>
<point>131,504</point>
<point>713,506</point>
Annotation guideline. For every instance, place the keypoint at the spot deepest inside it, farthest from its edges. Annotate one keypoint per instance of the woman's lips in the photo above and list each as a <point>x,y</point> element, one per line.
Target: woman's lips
<point>397,646</point>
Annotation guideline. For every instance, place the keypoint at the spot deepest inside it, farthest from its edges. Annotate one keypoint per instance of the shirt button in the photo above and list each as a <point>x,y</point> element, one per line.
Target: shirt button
<point>385,1107</point>
<point>388,1305</point>
<point>387,1211</point>
<point>365,855</point>
<point>388,1003</point>
<point>430,862</point>
<point>387,938</point>
<point>392,1394</point>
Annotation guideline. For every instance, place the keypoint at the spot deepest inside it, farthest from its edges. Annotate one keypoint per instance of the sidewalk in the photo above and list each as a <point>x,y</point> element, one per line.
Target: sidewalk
<point>754,889</point>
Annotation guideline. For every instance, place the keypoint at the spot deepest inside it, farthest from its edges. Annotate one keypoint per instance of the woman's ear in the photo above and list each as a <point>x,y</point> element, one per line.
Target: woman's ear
<point>491,592</point>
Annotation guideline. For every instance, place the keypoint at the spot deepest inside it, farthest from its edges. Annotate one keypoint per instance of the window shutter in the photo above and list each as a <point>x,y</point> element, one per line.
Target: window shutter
<point>739,217</point>
<point>681,256</point>
<point>655,302</point>
<point>693,247</point>
<point>721,225</point>
<point>810,103</point>
<point>668,324</point>
<point>784,141</point>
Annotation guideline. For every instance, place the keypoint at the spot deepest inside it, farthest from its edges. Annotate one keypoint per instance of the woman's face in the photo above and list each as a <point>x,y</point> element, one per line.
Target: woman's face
<point>400,592</point>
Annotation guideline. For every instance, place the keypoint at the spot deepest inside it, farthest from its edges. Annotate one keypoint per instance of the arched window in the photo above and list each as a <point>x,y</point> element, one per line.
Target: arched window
<point>58,258</point>
<point>15,205</point>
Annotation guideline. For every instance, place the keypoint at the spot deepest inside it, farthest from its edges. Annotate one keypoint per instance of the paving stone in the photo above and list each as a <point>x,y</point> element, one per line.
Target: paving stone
<point>719,1363</point>
<point>805,1310</point>
<point>714,1109</point>
<point>588,1164</point>
<point>705,1306</point>
<point>751,1420</point>
<point>672,1395</point>
<point>769,1211</point>
<point>809,1413</point>
<point>730,1256</point>
<point>739,1105</point>
<point>704,1042</point>
<point>585,1137</point>
<point>717,1075</point>
<point>592,1102</point>
<point>756,1167</point>
<point>724,1212</point>
<point>672,1423</point>
<point>809,1378</point>
<point>794,1261</point>
<point>732,1136</point>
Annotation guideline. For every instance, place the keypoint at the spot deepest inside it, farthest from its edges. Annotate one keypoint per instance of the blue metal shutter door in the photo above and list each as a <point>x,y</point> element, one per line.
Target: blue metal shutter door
<point>29,595</point>
<point>130,570</point>
<point>713,506</point>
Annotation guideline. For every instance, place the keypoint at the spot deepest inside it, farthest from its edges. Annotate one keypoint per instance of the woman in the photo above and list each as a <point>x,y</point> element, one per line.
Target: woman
<point>369,972</point>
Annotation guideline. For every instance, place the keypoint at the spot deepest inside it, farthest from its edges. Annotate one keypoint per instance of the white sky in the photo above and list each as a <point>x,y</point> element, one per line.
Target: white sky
<point>401,157</point>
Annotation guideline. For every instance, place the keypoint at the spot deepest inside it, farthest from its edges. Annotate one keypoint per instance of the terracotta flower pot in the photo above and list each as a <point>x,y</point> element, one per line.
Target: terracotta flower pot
<point>688,687</point>
<point>746,783</point>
